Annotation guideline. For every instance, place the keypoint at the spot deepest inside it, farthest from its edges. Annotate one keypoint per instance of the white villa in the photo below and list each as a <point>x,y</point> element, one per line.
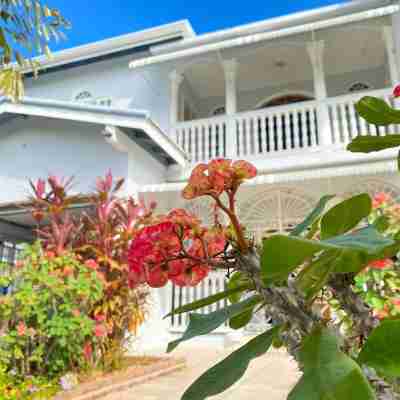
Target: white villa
<point>152,104</point>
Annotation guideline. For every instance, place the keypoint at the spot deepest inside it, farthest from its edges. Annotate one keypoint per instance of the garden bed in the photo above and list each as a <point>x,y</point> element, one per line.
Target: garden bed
<point>138,370</point>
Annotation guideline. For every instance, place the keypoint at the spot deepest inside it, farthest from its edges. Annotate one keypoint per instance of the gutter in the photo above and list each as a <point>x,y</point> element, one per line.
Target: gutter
<point>274,24</point>
<point>99,115</point>
<point>196,50</point>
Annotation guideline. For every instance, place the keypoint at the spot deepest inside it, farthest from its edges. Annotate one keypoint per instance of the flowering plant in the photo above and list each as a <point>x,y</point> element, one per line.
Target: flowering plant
<point>100,235</point>
<point>284,275</point>
<point>44,321</point>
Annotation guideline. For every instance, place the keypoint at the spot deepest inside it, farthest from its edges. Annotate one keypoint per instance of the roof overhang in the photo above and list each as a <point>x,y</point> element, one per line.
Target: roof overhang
<point>136,124</point>
<point>293,24</point>
<point>136,42</point>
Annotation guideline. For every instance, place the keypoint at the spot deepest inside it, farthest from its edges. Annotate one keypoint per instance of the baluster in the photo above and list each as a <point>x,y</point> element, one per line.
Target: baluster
<point>304,128</point>
<point>335,124</point>
<point>177,136</point>
<point>221,139</point>
<point>352,120</point>
<point>313,126</point>
<point>207,155</point>
<point>263,133</point>
<point>295,129</point>
<point>246,134</point>
<point>213,143</point>
<point>195,156</point>
<point>278,132</point>
<point>287,135</point>
<point>345,122</point>
<point>270,129</point>
<point>364,129</point>
<point>240,138</point>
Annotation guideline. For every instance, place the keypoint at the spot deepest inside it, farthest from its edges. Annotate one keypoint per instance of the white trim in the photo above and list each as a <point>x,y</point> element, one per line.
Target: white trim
<point>118,43</point>
<point>285,93</point>
<point>199,49</point>
<point>109,116</point>
<point>276,23</point>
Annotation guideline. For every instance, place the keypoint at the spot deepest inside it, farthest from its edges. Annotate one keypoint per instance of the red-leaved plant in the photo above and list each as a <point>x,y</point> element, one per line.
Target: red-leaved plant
<point>100,233</point>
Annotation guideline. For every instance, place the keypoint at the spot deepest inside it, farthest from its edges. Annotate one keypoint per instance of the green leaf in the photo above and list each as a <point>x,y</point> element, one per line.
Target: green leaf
<point>241,320</point>
<point>328,373</point>
<point>313,216</point>
<point>382,349</point>
<point>224,374</point>
<point>377,112</point>
<point>202,324</point>
<point>345,215</point>
<point>211,299</point>
<point>238,279</point>
<point>283,254</point>
<point>381,223</point>
<point>314,276</point>
<point>369,144</point>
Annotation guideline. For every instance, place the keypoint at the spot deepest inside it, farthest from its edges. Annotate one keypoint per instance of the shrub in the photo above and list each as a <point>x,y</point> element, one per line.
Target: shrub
<point>45,324</point>
<point>101,236</point>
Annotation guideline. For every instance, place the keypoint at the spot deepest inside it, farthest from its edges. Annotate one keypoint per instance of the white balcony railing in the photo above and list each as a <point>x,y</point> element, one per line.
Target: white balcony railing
<point>214,283</point>
<point>279,130</point>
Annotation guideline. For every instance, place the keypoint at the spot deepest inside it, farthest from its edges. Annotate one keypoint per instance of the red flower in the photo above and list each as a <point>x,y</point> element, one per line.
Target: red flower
<point>396,91</point>
<point>21,329</point>
<point>100,317</point>
<point>92,264</point>
<point>87,351</point>
<point>100,331</point>
<point>68,271</point>
<point>381,264</point>
<point>380,199</point>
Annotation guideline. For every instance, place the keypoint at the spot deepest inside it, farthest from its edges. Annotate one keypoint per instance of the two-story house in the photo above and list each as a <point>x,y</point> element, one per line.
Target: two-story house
<point>150,105</point>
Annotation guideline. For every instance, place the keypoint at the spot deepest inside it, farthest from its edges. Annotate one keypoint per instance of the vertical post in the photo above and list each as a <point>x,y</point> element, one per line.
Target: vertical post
<point>176,79</point>
<point>315,50</point>
<point>396,38</point>
<point>389,39</point>
<point>230,72</point>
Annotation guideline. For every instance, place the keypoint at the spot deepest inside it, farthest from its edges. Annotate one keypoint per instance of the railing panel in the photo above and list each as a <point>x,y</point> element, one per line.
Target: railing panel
<point>214,283</point>
<point>278,130</point>
<point>346,124</point>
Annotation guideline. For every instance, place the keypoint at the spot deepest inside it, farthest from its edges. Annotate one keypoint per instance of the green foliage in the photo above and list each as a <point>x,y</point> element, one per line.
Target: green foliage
<point>44,319</point>
<point>313,216</point>
<point>224,374</point>
<point>283,254</point>
<point>26,27</point>
<point>201,324</point>
<point>382,349</point>
<point>328,373</point>
<point>345,216</point>
<point>26,388</point>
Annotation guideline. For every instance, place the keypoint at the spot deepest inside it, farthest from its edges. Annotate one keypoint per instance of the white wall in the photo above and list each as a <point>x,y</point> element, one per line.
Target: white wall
<point>147,88</point>
<point>396,32</point>
<point>36,147</point>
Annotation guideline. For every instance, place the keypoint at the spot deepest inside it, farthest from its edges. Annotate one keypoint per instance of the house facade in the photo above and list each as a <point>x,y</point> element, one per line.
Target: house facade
<point>151,105</point>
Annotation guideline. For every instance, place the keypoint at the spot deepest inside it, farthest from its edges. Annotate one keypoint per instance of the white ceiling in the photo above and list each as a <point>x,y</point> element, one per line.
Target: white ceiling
<point>348,48</point>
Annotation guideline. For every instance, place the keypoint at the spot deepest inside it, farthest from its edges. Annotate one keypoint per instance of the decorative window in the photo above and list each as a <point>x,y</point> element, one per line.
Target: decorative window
<point>83,96</point>
<point>220,110</point>
<point>358,86</point>
<point>86,97</point>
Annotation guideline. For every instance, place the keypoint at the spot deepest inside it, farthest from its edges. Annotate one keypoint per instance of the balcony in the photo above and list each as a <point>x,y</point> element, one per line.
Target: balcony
<point>279,131</point>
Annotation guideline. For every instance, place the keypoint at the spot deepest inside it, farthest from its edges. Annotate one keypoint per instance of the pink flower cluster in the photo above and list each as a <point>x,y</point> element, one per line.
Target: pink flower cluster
<point>218,176</point>
<point>176,249</point>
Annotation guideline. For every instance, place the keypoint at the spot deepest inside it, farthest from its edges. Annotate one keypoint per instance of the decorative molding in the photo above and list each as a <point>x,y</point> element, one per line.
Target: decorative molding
<point>268,99</point>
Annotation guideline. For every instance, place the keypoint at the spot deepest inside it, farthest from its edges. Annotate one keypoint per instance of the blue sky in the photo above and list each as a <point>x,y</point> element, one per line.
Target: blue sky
<point>99,19</point>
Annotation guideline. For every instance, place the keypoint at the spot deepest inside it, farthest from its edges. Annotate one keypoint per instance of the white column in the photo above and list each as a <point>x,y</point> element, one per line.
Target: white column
<point>396,38</point>
<point>230,72</point>
<point>388,37</point>
<point>176,79</point>
<point>316,52</point>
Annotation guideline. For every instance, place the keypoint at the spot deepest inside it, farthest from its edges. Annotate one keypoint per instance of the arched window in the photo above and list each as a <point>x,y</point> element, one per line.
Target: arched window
<point>220,110</point>
<point>358,86</point>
